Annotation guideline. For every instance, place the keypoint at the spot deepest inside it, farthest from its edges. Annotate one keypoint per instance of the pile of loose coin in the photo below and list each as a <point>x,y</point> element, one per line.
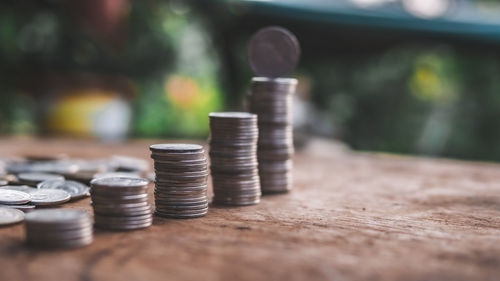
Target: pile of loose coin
<point>181,180</point>
<point>233,158</point>
<point>271,100</point>
<point>121,203</point>
<point>58,228</point>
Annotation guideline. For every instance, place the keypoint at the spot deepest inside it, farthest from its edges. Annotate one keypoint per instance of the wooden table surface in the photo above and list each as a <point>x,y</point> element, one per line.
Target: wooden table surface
<point>351,216</point>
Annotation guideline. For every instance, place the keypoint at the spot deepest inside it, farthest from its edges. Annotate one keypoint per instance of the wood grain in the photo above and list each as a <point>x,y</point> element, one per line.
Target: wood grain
<point>351,216</point>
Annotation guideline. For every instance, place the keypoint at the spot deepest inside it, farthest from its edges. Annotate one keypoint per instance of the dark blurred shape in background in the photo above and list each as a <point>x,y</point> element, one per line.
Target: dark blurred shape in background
<point>405,76</point>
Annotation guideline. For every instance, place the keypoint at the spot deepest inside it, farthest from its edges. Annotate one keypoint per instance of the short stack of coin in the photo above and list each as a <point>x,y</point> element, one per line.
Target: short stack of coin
<point>233,158</point>
<point>121,203</point>
<point>58,228</point>
<point>271,100</point>
<point>181,180</point>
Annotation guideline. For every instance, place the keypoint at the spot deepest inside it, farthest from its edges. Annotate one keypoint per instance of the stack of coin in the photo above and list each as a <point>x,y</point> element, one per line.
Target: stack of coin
<point>121,203</point>
<point>233,158</point>
<point>58,228</point>
<point>271,100</point>
<point>181,180</point>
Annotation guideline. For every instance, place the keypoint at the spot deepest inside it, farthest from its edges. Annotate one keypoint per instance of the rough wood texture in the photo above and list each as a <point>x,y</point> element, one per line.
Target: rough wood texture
<point>352,216</point>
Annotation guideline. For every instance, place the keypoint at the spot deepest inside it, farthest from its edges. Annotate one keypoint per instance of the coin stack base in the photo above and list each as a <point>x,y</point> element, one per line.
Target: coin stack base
<point>58,228</point>
<point>233,158</point>
<point>271,100</point>
<point>181,180</point>
<point>121,203</point>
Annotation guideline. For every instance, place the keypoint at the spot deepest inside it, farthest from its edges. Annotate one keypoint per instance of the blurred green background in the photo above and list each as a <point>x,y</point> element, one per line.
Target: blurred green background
<point>372,74</point>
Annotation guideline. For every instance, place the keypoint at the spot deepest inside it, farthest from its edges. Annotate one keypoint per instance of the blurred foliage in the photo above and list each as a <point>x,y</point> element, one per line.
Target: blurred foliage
<point>426,100</point>
<point>147,42</point>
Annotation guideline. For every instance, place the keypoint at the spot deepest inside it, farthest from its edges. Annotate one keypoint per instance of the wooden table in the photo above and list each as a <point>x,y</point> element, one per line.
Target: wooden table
<point>351,216</point>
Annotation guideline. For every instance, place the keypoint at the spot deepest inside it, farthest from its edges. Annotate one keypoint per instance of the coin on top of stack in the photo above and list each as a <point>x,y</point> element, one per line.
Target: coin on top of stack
<point>181,180</point>
<point>271,100</point>
<point>58,228</point>
<point>233,158</point>
<point>121,203</point>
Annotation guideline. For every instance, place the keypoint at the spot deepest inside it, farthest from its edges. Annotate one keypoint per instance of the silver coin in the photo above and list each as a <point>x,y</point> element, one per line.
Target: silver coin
<point>119,182</point>
<point>273,52</point>
<point>37,177</point>
<point>10,216</point>
<point>22,188</point>
<point>14,197</point>
<point>116,175</point>
<point>24,207</point>
<point>75,189</point>
<point>57,216</point>
<point>176,147</point>
<point>49,197</point>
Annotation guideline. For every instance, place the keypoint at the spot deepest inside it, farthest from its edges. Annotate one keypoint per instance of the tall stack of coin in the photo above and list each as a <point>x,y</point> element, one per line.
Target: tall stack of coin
<point>271,100</point>
<point>58,228</point>
<point>121,203</point>
<point>233,158</point>
<point>181,180</point>
<point>273,52</point>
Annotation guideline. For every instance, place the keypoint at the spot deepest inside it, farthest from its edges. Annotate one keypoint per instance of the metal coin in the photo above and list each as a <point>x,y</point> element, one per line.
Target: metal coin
<point>22,188</point>
<point>10,216</point>
<point>49,197</point>
<point>176,147</point>
<point>119,182</point>
<point>116,174</point>
<point>51,217</point>
<point>14,197</point>
<point>24,207</point>
<point>273,52</point>
<point>36,178</point>
<point>75,189</point>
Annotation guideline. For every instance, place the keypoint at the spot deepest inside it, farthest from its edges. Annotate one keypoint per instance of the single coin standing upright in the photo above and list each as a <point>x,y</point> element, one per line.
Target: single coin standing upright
<point>181,180</point>
<point>58,228</point>
<point>271,99</point>
<point>121,203</point>
<point>233,158</point>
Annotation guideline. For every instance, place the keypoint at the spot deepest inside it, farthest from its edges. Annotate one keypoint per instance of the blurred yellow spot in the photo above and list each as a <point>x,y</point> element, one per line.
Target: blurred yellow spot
<point>429,81</point>
<point>72,114</point>
<point>183,92</point>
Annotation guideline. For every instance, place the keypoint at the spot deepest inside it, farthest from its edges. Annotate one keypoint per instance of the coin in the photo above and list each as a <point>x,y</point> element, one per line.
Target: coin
<point>35,178</point>
<point>121,203</point>
<point>22,188</point>
<point>75,189</point>
<point>58,228</point>
<point>271,100</point>
<point>49,197</point>
<point>233,156</point>
<point>14,197</point>
<point>10,216</point>
<point>116,174</point>
<point>181,173</point>
<point>273,52</point>
<point>24,207</point>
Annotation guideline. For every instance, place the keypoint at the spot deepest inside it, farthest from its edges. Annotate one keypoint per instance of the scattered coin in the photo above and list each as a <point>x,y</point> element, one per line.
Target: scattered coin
<point>14,197</point>
<point>58,228</point>
<point>75,189</point>
<point>47,197</point>
<point>10,216</point>
<point>181,176</point>
<point>22,188</point>
<point>121,203</point>
<point>129,164</point>
<point>271,100</point>
<point>273,52</point>
<point>234,172</point>
<point>36,178</point>
<point>24,207</point>
<point>116,175</point>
